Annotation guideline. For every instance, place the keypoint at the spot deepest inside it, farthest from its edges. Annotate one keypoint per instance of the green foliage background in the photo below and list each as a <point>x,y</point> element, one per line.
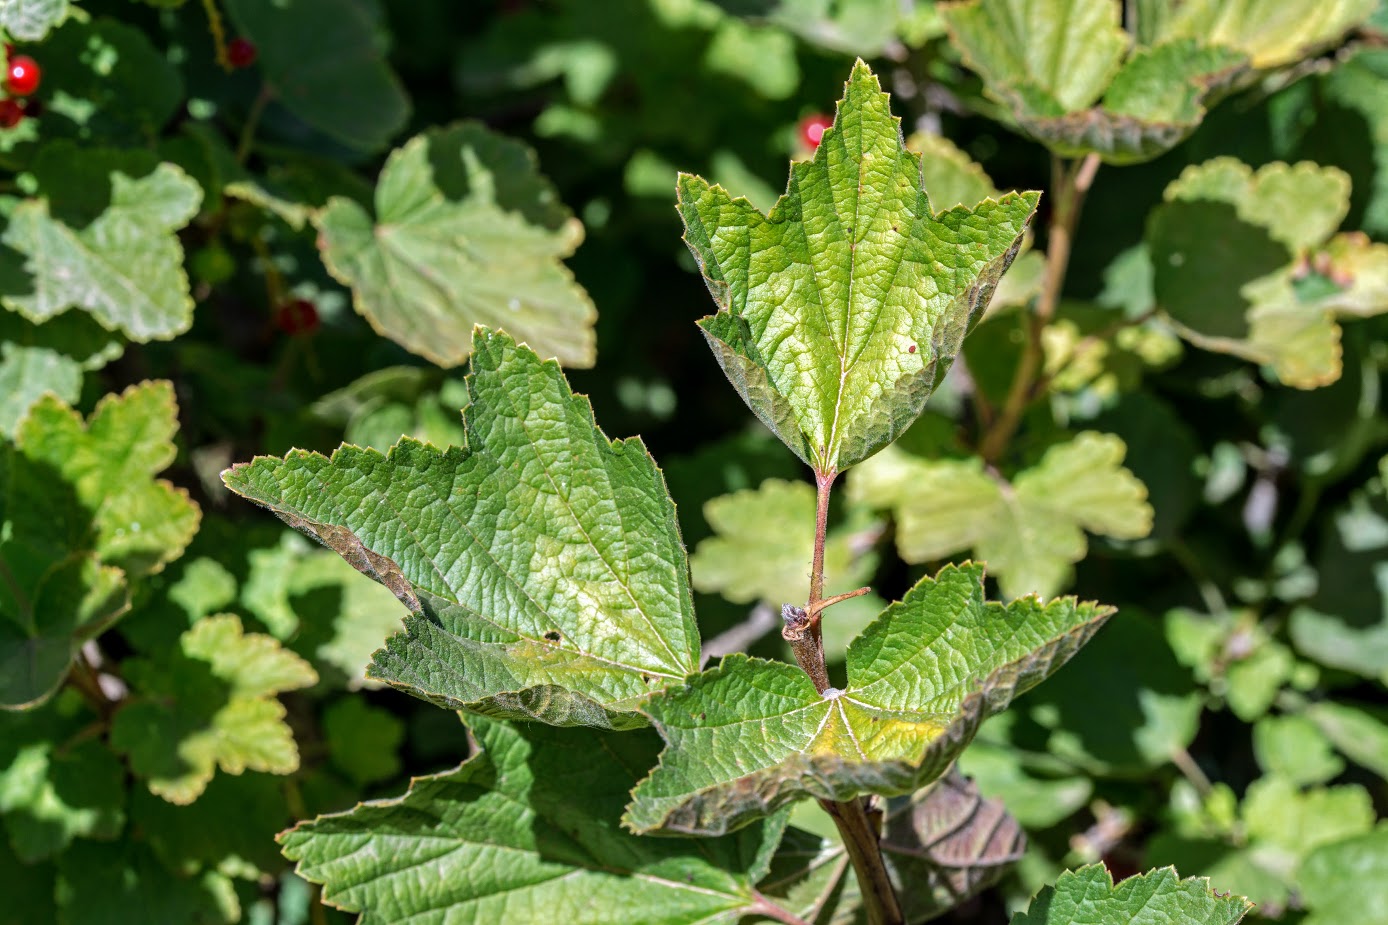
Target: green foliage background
<point>1220,340</point>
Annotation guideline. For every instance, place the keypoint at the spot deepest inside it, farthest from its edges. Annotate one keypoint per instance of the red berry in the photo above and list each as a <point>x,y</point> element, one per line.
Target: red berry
<point>23,75</point>
<point>11,113</point>
<point>241,53</point>
<point>297,317</point>
<point>812,129</point>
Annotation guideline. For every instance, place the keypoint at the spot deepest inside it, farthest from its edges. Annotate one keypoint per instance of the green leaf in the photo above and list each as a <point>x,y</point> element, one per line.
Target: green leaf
<point>30,20</point>
<point>1272,34</point>
<point>117,87</point>
<point>1036,799</point>
<point>1063,69</point>
<point>522,832</point>
<point>324,609</point>
<point>948,175</point>
<point>363,740</point>
<point>103,884</point>
<point>552,583</point>
<point>1292,747</point>
<point>837,349</point>
<point>1361,733</point>
<point>1347,881</point>
<point>466,231</point>
<point>1030,531</point>
<point>1089,895</point>
<point>323,61</point>
<point>1280,816</point>
<point>212,704</point>
<point>750,736</point>
<point>764,543</point>
<point>231,828</point>
<point>866,27</point>
<point>102,239</point>
<point>56,785</point>
<point>1222,249</point>
<point>44,358</point>
<point>139,523</point>
<point>80,514</point>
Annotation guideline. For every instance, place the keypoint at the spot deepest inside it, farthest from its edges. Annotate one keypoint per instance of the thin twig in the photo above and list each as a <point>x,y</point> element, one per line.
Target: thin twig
<point>1069,184</point>
<point>1191,771</point>
<point>247,139</point>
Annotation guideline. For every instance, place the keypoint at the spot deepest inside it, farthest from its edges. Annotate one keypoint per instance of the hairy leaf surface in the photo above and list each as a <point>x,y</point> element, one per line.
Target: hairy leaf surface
<point>523,833</point>
<point>542,562</point>
<point>841,309</point>
<point>749,736</point>
<point>1089,895</point>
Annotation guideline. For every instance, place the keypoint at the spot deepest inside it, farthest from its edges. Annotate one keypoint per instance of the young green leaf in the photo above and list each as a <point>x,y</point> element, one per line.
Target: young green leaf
<point>36,359</point>
<point>1271,34</point>
<point>841,309</point>
<point>542,563</point>
<point>750,735</point>
<point>102,239</point>
<point>80,515</point>
<point>522,832</point>
<point>1089,895</point>
<point>466,231</point>
<point>212,704</point>
<point>1063,69</point>
<point>1031,531</point>
<point>765,540</point>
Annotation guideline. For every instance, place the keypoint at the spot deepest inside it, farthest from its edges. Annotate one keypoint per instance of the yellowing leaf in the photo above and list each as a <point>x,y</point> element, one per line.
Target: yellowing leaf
<point>750,736</point>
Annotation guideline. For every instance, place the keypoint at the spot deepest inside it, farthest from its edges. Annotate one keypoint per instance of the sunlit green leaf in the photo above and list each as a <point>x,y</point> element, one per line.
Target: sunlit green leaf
<point>1090,895</point>
<point>841,309</point>
<point>749,736</point>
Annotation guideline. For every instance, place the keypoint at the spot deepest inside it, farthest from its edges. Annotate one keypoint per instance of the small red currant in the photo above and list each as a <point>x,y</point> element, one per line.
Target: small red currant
<point>812,129</point>
<point>296,317</point>
<point>11,113</point>
<point>23,75</point>
<point>241,53</point>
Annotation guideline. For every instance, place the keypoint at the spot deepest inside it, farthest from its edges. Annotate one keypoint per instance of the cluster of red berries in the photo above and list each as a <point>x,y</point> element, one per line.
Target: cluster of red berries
<point>21,79</point>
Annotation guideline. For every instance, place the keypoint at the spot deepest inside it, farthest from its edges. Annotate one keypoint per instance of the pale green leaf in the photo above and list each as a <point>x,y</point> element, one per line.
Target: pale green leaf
<point>209,705</point>
<point>950,177</point>
<point>764,543</point>
<point>47,358</point>
<point>1037,800</point>
<point>523,833</point>
<point>466,231</point>
<point>323,61</point>
<point>1158,897</point>
<point>1360,733</point>
<point>542,563</point>
<point>837,349</point>
<point>1273,33</point>
<point>865,27</point>
<point>1063,69</point>
<point>1278,815</point>
<point>1347,881</point>
<point>139,523</point>
<point>750,735</point>
<point>30,20</point>
<point>102,240</point>
<point>1222,248</point>
<point>1031,531</point>
<point>1292,747</point>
